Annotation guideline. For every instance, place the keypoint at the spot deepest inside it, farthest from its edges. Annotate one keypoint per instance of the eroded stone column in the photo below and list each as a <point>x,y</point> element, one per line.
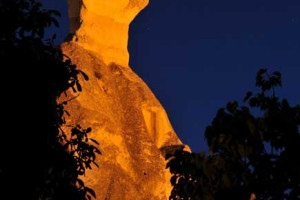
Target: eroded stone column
<point>126,118</point>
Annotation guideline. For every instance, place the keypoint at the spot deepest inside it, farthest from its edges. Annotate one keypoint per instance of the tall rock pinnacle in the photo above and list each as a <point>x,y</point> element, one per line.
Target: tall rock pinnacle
<point>102,26</point>
<point>127,120</point>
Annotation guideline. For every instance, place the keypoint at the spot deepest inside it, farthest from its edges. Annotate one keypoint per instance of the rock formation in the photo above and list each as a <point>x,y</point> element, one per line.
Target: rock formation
<point>129,122</point>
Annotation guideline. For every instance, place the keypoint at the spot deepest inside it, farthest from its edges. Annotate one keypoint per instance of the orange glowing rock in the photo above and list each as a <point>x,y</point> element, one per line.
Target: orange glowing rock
<point>129,122</point>
<point>102,26</point>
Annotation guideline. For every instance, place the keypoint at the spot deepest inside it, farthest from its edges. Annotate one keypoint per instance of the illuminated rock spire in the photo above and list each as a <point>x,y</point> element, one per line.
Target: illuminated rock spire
<point>102,26</point>
<point>127,120</point>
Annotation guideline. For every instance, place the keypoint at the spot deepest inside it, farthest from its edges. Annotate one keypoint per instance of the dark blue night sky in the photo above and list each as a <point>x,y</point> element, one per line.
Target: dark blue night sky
<point>196,55</point>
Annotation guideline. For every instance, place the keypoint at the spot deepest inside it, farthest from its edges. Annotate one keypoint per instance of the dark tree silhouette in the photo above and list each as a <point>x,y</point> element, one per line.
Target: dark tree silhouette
<point>38,160</point>
<point>248,154</point>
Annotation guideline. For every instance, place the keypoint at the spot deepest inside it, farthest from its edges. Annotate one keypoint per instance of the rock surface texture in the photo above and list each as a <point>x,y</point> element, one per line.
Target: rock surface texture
<point>127,120</point>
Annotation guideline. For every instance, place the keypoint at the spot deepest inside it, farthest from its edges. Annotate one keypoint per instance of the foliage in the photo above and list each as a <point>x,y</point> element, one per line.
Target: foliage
<point>248,154</point>
<point>38,159</point>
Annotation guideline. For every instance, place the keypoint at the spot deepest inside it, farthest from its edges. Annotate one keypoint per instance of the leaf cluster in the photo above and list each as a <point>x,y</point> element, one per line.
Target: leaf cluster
<point>38,160</point>
<point>248,154</point>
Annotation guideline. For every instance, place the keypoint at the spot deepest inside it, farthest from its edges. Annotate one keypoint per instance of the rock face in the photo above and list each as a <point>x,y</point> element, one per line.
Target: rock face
<point>129,122</point>
<point>102,26</point>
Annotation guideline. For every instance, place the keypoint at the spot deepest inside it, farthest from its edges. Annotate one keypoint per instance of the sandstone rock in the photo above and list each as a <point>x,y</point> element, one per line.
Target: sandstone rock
<point>102,26</point>
<point>127,119</point>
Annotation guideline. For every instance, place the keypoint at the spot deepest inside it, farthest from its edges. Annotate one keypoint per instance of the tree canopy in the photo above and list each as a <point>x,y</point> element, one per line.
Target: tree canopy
<point>250,155</point>
<point>38,159</point>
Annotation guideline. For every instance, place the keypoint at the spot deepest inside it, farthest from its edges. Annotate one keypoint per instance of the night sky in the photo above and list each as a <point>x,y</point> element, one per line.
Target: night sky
<point>196,55</point>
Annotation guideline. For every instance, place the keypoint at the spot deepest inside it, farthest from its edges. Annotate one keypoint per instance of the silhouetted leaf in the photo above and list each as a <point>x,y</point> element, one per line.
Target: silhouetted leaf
<point>80,182</point>
<point>94,141</point>
<point>89,190</point>
<point>78,86</point>
<point>96,164</point>
<point>248,95</point>
<point>88,130</point>
<point>84,75</point>
<point>55,12</point>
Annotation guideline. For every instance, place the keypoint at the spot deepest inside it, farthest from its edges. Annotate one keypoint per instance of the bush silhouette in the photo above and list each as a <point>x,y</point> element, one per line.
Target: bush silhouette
<point>38,160</point>
<point>249,155</point>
